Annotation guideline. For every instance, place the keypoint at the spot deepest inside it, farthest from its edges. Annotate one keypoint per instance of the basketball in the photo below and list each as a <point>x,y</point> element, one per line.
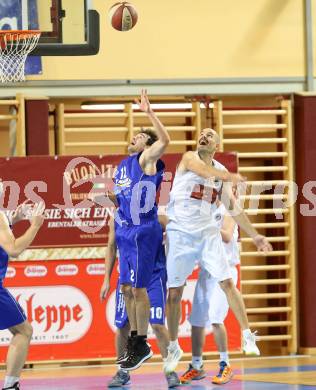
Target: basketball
<point>123,16</point>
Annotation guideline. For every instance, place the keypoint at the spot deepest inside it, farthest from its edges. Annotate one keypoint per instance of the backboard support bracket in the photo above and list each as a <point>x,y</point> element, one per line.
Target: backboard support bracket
<point>89,48</point>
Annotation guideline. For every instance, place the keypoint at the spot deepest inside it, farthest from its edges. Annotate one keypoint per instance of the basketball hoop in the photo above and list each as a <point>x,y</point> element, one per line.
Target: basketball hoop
<point>15,46</point>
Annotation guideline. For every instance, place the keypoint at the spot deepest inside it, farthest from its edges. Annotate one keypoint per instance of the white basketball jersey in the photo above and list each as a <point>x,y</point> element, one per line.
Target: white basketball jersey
<point>231,247</point>
<point>193,200</point>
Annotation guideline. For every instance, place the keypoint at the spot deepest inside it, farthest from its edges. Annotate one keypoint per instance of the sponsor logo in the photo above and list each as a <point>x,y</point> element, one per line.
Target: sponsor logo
<point>35,271</point>
<point>96,269</point>
<point>218,217</point>
<point>58,314</point>
<point>66,270</point>
<point>11,272</point>
<point>124,182</point>
<point>121,178</point>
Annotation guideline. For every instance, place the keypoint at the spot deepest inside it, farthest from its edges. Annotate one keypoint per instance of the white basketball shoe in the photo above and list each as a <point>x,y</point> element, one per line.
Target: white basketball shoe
<point>249,345</point>
<point>171,362</point>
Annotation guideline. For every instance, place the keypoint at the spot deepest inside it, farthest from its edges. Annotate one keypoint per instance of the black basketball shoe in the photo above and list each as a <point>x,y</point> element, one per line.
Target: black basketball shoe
<point>16,386</point>
<point>140,353</point>
<point>127,352</point>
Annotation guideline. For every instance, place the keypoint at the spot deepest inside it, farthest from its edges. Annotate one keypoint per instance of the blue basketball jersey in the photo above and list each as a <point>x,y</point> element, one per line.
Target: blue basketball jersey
<point>12,313</point>
<point>4,259</point>
<point>135,191</point>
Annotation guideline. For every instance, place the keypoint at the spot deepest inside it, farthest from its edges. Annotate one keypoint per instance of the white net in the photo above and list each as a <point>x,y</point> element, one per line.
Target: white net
<point>14,49</point>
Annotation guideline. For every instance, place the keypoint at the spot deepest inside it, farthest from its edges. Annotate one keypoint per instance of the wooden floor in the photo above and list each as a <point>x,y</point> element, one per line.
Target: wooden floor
<point>284,373</point>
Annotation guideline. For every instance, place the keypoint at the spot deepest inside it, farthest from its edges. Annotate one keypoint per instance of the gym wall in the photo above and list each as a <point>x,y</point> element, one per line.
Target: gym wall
<point>174,39</point>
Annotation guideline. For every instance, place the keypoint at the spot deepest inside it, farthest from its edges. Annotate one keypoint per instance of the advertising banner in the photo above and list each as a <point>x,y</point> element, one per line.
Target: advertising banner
<point>64,184</point>
<point>61,301</point>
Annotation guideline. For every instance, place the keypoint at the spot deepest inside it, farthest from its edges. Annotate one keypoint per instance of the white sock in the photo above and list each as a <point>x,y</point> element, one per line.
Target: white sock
<point>9,381</point>
<point>223,356</point>
<point>173,345</point>
<point>197,362</point>
<point>246,333</point>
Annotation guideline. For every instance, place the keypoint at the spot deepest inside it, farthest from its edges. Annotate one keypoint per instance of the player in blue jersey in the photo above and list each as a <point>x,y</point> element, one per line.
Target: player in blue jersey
<point>137,230</point>
<point>12,316</point>
<point>157,291</point>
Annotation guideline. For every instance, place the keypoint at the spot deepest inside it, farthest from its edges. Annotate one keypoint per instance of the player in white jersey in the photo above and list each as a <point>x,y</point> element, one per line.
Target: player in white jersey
<point>210,307</point>
<point>193,235</point>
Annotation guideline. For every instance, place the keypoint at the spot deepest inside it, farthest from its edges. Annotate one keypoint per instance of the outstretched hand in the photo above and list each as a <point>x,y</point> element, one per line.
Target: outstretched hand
<point>144,104</point>
<point>23,211</point>
<point>262,243</point>
<point>20,212</point>
<point>37,214</point>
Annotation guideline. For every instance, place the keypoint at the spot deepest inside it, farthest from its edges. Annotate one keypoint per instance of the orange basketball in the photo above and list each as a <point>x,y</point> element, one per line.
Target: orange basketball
<point>123,16</point>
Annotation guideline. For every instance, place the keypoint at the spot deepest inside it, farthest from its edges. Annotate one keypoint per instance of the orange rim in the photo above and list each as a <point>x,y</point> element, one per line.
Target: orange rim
<point>12,35</point>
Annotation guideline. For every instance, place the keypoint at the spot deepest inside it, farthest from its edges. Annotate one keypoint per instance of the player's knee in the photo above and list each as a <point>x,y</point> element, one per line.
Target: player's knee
<point>27,330</point>
<point>126,290</point>
<point>174,296</point>
<point>140,293</point>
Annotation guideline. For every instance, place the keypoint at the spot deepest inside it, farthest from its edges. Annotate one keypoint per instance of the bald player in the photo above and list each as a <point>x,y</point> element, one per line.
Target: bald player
<point>192,235</point>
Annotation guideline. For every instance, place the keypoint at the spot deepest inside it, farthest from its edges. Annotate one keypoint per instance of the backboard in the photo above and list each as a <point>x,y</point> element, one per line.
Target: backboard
<point>68,27</point>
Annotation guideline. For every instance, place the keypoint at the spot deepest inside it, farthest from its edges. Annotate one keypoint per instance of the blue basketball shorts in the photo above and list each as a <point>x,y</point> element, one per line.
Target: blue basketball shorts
<point>157,292</point>
<point>11,312</point>
<point>140,251</point>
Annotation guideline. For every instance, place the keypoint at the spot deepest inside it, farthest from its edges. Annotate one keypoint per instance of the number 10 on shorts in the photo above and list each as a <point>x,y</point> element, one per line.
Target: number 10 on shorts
<point>156,313</point>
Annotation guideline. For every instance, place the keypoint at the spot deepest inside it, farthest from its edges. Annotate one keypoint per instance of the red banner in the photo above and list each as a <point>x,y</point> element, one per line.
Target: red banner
<point>64,183</point>
<point>61,300</point>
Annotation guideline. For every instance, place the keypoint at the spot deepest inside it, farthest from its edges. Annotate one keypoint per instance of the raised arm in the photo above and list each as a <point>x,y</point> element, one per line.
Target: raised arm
<point>156,150</point>
<point>110,259</point>
<point>190,162</point>
<point>242,220</point>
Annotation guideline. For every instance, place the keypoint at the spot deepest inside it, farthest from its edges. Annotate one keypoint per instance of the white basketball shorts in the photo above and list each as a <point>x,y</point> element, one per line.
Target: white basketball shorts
<point>210,305</point>
<point>185,250</point>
